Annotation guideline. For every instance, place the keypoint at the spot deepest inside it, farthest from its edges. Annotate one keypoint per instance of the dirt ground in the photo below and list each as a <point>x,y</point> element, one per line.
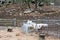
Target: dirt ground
<point>17,34</point>
<point>51,38</point>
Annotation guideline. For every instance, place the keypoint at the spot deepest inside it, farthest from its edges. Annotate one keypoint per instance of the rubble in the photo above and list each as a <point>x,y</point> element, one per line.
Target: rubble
<point>16,11</point>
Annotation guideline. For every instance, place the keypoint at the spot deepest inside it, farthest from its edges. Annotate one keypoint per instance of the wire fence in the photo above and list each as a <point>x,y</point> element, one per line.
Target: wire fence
<point>53,28</point>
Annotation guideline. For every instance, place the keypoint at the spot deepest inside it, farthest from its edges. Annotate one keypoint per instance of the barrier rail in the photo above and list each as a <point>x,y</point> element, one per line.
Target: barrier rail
<point>8,22</point>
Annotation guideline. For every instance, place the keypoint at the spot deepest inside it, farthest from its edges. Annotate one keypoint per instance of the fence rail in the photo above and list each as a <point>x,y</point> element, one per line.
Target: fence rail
<point>8,22</point>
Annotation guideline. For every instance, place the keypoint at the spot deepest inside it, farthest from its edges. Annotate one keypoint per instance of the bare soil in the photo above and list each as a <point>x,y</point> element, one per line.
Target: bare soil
<point>18,34</point>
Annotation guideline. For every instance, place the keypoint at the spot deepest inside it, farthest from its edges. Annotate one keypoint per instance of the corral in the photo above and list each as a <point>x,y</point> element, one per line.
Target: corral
<point>15,16</point>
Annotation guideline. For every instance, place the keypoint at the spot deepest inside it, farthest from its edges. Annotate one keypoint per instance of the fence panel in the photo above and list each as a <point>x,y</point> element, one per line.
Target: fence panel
<point>7,22</point>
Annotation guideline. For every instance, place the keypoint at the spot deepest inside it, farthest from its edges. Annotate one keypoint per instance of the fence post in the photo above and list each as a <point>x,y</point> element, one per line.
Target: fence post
<point>14,21</point>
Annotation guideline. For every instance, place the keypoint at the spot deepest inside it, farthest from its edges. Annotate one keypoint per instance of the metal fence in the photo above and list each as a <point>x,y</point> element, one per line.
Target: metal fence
<point>53,28</point>
<point>8,22</point>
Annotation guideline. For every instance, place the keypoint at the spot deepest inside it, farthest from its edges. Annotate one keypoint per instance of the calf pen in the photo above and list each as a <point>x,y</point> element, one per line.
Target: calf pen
<point>52,32</point>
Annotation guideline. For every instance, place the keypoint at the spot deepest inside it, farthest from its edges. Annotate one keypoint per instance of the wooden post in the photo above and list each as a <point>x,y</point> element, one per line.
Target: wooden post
<point>14,21</point>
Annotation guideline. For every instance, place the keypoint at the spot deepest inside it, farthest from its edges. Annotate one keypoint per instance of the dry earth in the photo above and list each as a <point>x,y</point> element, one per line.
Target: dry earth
<point>17,34</point>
